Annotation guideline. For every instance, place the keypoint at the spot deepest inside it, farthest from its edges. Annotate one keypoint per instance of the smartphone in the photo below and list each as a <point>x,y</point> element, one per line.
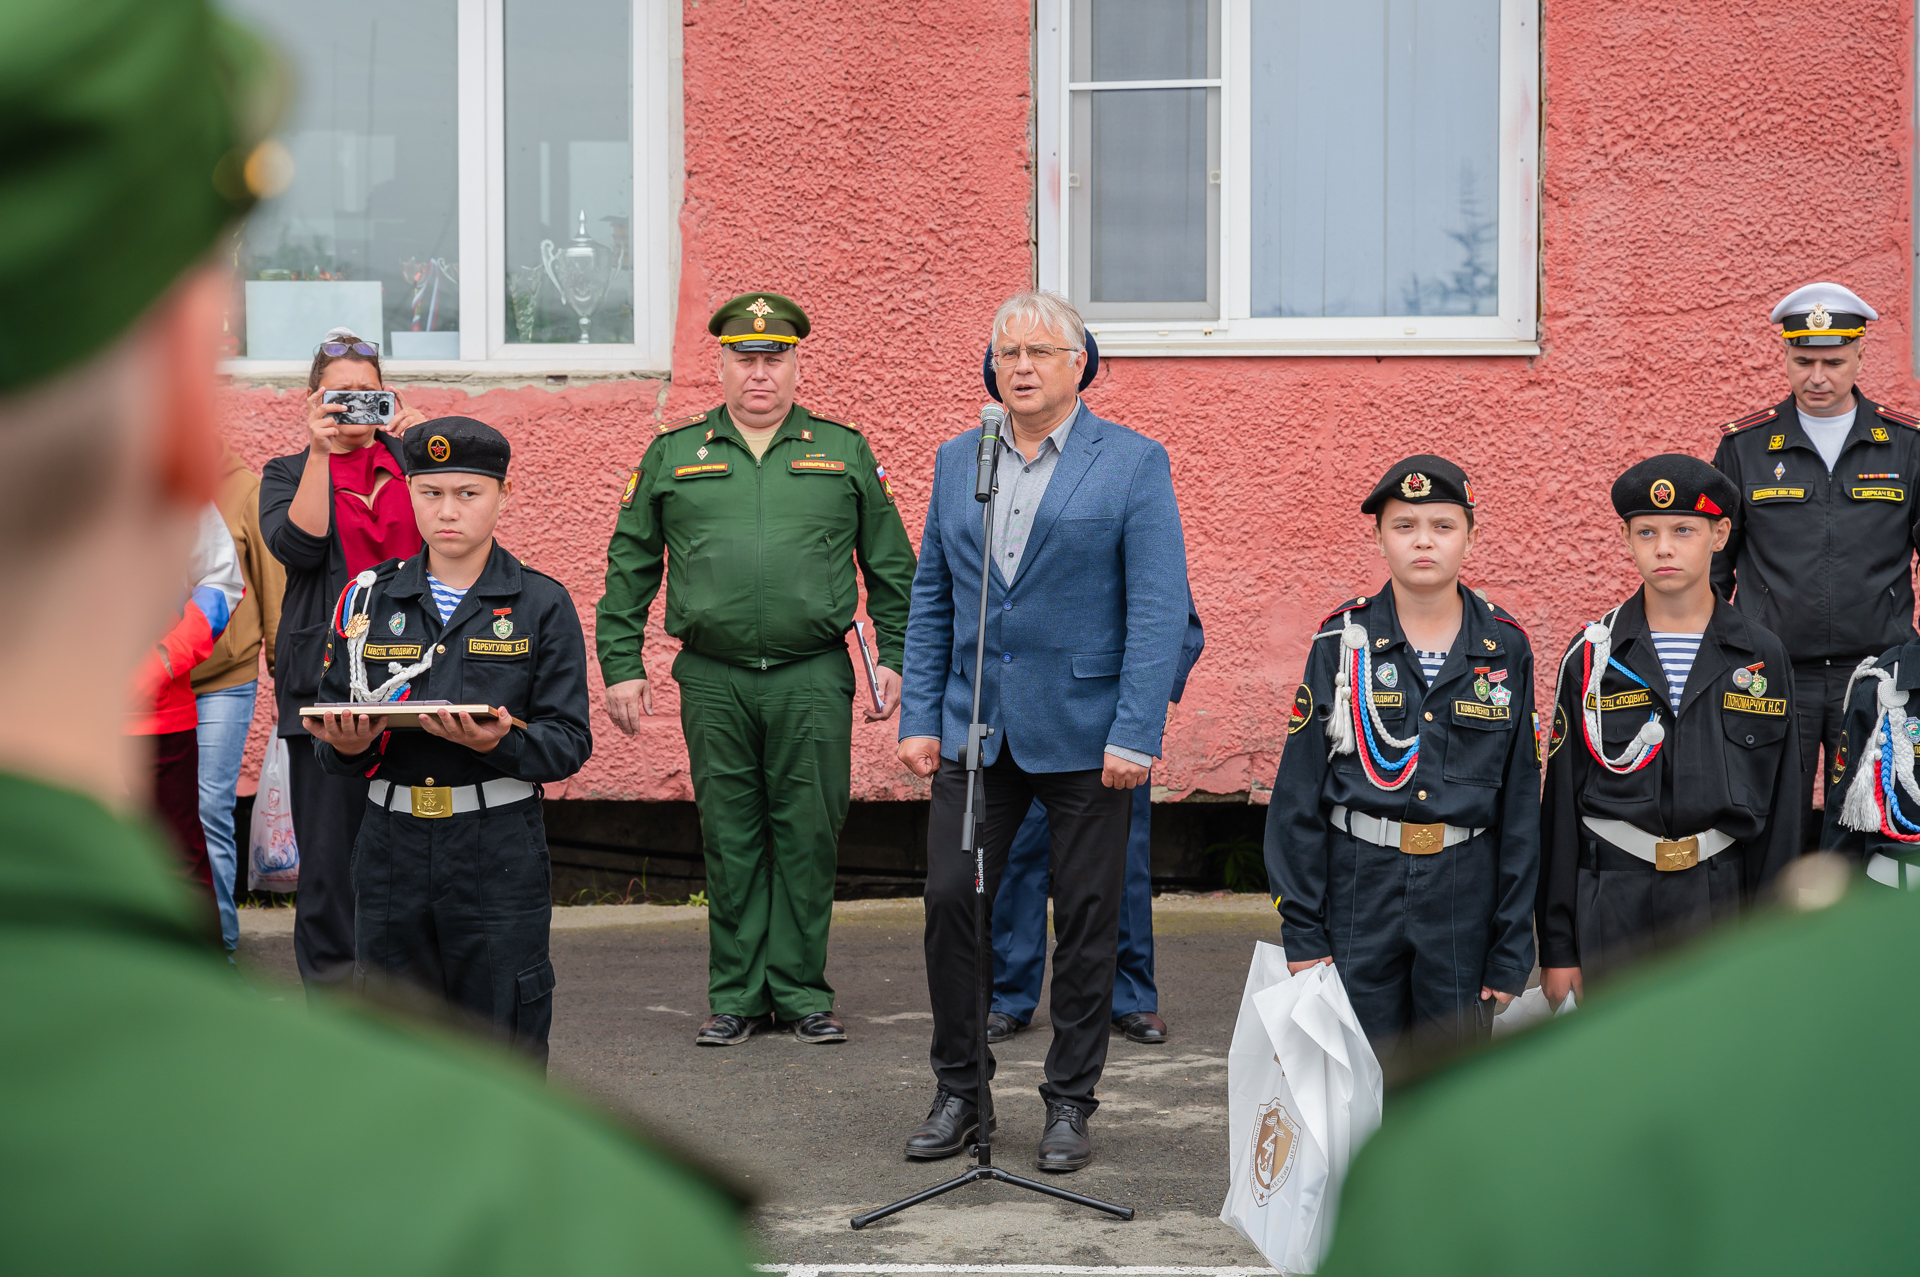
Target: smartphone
<point>364,407</point>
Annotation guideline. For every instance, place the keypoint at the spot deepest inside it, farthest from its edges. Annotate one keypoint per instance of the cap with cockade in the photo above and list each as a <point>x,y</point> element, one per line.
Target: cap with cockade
<point>764,322</point>
<point>1674,483</point>
<point>1822,315</point>
<point>132,133</point>
<point>455,445</point>
<point>1419,480</point>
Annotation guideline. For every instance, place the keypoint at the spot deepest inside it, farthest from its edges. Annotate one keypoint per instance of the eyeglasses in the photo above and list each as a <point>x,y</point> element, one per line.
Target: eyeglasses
<point>335,349</point>
<point>1007,356</point>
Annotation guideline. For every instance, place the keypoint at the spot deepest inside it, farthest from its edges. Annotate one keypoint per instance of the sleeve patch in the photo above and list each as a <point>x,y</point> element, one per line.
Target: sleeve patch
<point>633,486</point>
<point>886,484</point>
<point>1752,419</point>
<point>1302,712</point>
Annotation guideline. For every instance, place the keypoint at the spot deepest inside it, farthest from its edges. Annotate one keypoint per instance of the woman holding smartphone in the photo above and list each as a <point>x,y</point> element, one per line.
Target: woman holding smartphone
<point>334,508</point>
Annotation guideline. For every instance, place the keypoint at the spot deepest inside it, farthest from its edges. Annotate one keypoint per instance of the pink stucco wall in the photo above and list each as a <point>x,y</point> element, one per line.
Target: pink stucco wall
<point>871,160</point>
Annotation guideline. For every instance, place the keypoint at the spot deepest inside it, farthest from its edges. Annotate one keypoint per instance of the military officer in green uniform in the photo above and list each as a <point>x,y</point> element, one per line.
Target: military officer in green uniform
<point>132,129</point>
<point>758,509</point>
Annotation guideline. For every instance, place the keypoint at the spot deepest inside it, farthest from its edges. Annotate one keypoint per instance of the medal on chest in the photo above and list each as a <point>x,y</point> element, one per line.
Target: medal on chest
<point>1498,692</point>
<point>502,627</point>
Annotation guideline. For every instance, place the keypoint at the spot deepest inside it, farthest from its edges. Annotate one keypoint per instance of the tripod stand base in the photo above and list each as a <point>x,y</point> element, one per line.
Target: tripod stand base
<point>977,1173</point>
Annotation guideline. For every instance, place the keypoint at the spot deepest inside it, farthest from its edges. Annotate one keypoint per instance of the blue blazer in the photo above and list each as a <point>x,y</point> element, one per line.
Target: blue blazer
<point>1084,646</point>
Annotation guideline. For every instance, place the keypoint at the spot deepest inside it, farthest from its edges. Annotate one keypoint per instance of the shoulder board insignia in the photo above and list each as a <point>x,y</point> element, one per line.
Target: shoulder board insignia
<point>832,421</point>
<point>1903,418</point>
<point>681,422</point>
<point>1345,608</point>
<point>1502,616</point>
<point>1752,419</point>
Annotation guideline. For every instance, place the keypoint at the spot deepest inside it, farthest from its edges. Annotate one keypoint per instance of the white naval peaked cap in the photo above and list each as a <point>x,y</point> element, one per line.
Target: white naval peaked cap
<point>1834,297</point>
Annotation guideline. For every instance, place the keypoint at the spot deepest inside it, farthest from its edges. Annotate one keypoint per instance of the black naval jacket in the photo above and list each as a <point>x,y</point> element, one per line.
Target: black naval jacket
<point>1478,768</point>
<point>538,671</point>
<point>1730,761</point>
<point>1851,767</point>
<point>1824,561</point>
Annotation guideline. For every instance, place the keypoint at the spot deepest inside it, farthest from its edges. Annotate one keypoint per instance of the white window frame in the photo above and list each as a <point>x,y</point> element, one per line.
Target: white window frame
<point>481,124</point>
<point>1513,330</point>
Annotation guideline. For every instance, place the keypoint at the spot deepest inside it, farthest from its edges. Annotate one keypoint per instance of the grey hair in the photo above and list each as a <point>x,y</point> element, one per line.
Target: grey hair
<point>1041,309</point>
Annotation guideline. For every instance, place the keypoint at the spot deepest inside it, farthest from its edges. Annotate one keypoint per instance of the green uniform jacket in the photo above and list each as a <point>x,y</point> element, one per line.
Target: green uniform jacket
<point>377,1148</point>
<point>1742,1108</point>
<point>763,551</point>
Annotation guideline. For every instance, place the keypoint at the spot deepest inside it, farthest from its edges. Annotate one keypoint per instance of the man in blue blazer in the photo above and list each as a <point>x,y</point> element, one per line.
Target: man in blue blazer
<point>1085,617</point>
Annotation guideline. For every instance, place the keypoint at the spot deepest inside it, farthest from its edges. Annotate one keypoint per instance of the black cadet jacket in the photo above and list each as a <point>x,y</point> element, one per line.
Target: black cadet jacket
<point>1852,766</point>
<point>514,640</point>
<point>1824,561</point>
<point>1730,760</point>
<point>1478,768</point>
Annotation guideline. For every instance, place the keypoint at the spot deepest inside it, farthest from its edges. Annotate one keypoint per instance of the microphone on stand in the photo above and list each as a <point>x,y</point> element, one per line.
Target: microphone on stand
<point>993,419</point>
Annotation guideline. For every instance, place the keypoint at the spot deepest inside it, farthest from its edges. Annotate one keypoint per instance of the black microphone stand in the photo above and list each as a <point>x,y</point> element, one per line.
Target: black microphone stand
<point>973,838</point>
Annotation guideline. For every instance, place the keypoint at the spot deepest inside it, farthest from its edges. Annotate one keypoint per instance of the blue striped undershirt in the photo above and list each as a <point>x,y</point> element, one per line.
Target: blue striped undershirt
<point>1676,660</point>
<point>1430,663</point>
<point>445,597</point>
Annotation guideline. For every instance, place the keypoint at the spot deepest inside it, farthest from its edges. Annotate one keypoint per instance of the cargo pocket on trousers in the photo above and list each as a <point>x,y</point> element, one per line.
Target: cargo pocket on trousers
<point>536,982</point>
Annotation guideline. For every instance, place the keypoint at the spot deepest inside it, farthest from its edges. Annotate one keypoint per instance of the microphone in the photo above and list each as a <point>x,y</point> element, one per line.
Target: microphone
<point>993,419</point>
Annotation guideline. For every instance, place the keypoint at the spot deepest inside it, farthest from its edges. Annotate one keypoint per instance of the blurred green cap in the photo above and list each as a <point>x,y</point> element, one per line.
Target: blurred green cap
<point>132,134</point>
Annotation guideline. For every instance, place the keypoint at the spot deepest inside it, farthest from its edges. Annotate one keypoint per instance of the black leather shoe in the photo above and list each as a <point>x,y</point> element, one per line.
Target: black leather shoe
<point>1142,1026</point>
<point>724,1030</point>
<point>1064,1145</point>
<point>950,1123</point>
<point>1001,1026</point>
<point>821,1026</point>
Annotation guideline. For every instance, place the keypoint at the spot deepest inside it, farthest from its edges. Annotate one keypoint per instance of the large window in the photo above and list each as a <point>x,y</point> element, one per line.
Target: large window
<point>1286,177</point>
<point>475,184</point>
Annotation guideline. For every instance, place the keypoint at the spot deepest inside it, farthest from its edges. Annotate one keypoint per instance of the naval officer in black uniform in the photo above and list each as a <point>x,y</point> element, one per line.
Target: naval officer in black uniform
<point>1403,840</point>
<point>1678,796</point>
<point>451,885</point>
<point>1825,530</point>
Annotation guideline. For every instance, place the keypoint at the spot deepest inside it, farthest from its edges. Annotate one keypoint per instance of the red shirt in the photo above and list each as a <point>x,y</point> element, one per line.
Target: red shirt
<point>386,529</point>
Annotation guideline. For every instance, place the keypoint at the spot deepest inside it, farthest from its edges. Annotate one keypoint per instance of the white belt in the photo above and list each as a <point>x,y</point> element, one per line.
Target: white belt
<point>1885,869</point>
<point>1665,854</point>
<point>1382,832</point>
<point>430,802</point>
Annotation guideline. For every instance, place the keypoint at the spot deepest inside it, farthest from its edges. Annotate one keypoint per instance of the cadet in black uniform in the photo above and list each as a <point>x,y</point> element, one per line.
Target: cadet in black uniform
<point>1403,840</point>
<point>451,884</point>
<point>1680,799</point>
<point>1827,523</point>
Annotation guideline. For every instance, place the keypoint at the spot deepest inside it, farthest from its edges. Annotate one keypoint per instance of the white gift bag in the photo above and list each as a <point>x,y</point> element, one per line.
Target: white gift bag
<point>273,858</point>
<point>1527,1010</point>
<point>1303,1093</point>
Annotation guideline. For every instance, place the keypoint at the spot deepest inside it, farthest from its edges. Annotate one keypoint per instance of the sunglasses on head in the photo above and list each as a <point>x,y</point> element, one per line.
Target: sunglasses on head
<point>335,349</point>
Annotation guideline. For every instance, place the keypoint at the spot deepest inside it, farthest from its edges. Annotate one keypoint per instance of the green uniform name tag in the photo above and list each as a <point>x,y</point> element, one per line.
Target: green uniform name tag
<point>711,470</point>
<point>816,465</point>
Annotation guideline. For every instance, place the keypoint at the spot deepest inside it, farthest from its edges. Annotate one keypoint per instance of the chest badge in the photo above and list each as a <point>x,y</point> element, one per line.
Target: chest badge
<point>1879,434</point>
<point>1776,442</point>
<point>1779,469</point>
<point>1499,693</point>
<point>397,623</point>
<point>502,626</point>
<point>1913,729</point>
<point>1389,675</point>
<point>357,625</point>
<point>1481,687</point>
<point>1750,680</point>
<point>702,454</point>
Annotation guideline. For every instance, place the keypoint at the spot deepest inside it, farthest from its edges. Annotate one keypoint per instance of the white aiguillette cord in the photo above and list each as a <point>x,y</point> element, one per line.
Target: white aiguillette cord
<point>1639,750</point>
<point>1861,808</point>
<point>355,623</point>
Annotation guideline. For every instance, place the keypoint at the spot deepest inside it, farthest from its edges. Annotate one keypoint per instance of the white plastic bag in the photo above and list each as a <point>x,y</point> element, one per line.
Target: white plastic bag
<point>1527,1010</point>
<point>1303,1093</point>
<point>273,858</point>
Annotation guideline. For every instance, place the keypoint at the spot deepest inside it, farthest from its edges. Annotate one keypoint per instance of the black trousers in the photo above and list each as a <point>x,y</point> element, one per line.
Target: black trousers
<point>326,820</point>
<point>1624,909</point>
<point>1819,691</point>
<point>1088,825</point>
<point>1410,936</point>
<point>461,907</point>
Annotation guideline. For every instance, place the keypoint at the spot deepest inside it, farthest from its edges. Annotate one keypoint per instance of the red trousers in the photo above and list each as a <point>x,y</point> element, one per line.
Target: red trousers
<point>176,800</point>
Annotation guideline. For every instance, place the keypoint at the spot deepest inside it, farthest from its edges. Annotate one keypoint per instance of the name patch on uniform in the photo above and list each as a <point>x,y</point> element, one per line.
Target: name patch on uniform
<point>1389,700</point>
<point>1638,698</point>
<point>818,466</point>
<point>1486,713</point>
<point>1879,494</point>
<point>711,470</point>
<point>1754,704</point>
<point>1777,494</point>
<point>391,651</point>
<point>498,647</point>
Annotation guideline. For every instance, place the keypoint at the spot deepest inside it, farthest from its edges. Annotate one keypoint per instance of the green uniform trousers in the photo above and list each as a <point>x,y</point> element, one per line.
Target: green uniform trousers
<point>771,755</point>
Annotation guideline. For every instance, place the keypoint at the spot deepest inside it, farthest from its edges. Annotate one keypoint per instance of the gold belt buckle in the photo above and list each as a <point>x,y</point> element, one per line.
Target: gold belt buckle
<point>1422,840</point>
<point>431,802</point>
<point>1670,856</point>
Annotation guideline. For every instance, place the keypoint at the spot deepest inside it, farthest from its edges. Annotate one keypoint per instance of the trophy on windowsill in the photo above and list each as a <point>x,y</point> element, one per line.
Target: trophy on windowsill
<point>581,272</point>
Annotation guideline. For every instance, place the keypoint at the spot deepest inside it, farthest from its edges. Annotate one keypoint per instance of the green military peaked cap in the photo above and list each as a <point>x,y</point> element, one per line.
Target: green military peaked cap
<point>129,139</point>
<point>761,322</point>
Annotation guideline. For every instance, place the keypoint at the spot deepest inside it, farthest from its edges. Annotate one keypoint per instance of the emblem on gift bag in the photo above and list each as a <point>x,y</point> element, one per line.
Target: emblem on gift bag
<point>1273,1151</point>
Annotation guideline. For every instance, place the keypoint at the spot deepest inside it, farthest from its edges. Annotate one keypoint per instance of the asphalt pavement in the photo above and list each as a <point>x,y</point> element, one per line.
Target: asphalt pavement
<point>814,1132</point>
